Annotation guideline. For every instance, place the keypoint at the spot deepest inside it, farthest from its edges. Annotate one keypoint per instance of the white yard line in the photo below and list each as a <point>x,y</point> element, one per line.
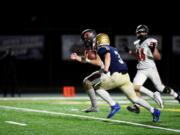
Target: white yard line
<point>16,123</point>
<point>86,117</point>
<point>55,98</point>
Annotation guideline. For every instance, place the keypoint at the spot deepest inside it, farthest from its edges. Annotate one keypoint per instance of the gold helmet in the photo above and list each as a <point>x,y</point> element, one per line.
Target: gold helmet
<point>102,39</point>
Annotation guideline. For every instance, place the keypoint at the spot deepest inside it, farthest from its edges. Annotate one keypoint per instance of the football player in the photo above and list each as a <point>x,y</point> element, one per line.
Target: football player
<point>93,79</point>
<point>146,52</point>
<point>115,74</point>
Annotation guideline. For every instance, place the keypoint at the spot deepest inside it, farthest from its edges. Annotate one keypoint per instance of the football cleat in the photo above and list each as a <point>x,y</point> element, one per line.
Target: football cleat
<point>134,109</point>
<point>91,109</point>
<point>114,110</point>
<point>156,115</point>
<point>158,99</point>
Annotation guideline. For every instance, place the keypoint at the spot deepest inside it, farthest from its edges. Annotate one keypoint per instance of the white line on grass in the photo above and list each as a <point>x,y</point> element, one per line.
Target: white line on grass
<point>86,117</point>
<point>78,97</point>
<point>55,98</point>
<point>16,123</point>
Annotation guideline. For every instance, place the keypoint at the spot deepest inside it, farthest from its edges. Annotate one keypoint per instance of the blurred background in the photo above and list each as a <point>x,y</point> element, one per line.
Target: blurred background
<point>35,49</point>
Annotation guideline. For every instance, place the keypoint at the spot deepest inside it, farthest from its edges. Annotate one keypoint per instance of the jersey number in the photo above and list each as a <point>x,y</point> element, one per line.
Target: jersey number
<point>140,54</point>
<point>119,57</point>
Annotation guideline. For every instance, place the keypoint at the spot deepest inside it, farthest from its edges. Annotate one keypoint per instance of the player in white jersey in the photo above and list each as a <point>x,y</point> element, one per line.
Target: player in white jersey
<point>146,52</point>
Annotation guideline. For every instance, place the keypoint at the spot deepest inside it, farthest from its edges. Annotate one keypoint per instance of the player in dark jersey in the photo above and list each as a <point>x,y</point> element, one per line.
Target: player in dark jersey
<point>115,74</point>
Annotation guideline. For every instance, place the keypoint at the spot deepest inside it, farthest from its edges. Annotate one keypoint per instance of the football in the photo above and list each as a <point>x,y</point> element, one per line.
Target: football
<point>91,54</point>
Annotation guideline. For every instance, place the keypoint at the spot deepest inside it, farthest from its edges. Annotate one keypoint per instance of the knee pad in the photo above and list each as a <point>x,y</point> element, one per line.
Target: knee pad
<point>167,90</point>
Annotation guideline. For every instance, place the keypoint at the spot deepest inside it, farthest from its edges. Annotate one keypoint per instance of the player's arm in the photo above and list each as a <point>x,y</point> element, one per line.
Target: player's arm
<point>107,61</point>
<point>105,74</point>
<point>105,51</point>
<point>155,51</point>
<point>76,57</point>
<point>97,61</point>
<point>84,59</point>
<point>156,54</point>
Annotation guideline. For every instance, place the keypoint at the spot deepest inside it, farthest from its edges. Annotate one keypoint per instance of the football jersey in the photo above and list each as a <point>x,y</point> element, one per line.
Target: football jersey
<point>144,53</point>
<point>117,64</point>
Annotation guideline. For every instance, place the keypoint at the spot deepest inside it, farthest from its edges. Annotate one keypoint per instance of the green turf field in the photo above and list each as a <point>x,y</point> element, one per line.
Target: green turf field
<point>64,116</point>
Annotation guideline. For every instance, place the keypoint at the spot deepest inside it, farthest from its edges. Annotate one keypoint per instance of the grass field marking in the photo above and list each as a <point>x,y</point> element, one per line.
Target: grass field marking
<point>171,110</point>
<point>16,123</point>
<point>87,117</point>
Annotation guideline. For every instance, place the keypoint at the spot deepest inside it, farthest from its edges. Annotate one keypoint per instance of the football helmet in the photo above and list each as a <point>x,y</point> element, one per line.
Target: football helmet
<point>142,32</point>
<point>88,36</point>
<point>102,39</point>
<point>142,28</point>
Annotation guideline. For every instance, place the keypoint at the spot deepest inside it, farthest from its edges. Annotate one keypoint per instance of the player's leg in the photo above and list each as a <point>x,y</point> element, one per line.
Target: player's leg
<point>107,84</point>
<point>138,82</point>
<point>115,107</point>
<point>155,78</point>
<point>154,95</point>
<point>128,89</point>
<point>88,86</point>
<point>105,96</point>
